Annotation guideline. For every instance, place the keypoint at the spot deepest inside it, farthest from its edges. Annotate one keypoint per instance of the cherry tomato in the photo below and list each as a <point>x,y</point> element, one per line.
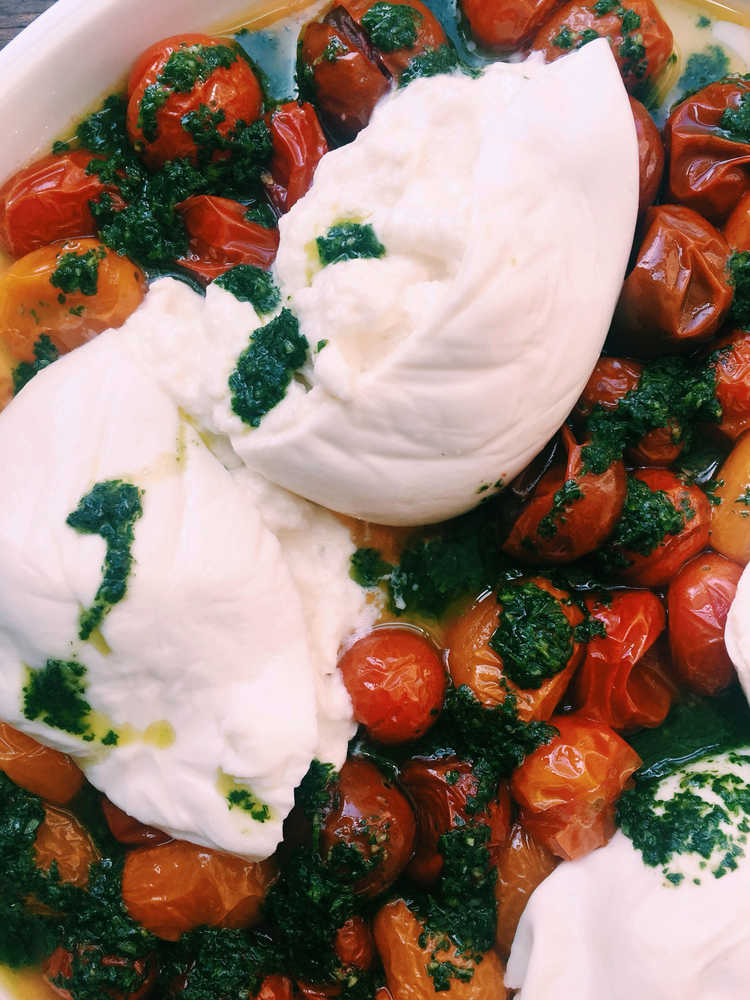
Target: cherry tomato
<point>614,684</point>
<point>543,534</point>
<point>473,662</point>
<point>221,237</point>
<point>30,305</point>
<point>370,813</point>
<point>568,788</point>
<point>354,944</point>
<point>40,770</point>
<point>232,91</point>
<point>699,598</point>
<point>47,202</point>
<point>730,517</point>
<point>61,838</point>
<point>522,864</point>
<point>347,82</point>
<point>175,887</point>
<point>677,294</point>
<point>737,228</point>
<point>430,34</point>
<point>650,155</point>
<point>275,987</point>
<point>60,966</point>
<point>128,830</point>
<point>708,171</point>
<point>406,949</point>
<point>732,367</point>
<point>298,147</point>
<point>439,790</point>
<point>640,54</point>
<point>396,681</point>
<point>505,24</point>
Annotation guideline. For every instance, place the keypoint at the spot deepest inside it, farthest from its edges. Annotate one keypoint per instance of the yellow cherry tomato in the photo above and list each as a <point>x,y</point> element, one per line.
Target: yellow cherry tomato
<point>730,519</point>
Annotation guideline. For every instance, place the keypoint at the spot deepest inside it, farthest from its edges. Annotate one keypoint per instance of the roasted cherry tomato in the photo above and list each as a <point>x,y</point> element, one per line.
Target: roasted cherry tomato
<point>47,202</point>
<point>275,988</point>
<point>406,950</point>
<point>440,790</point>
<point>174,79</point>
<point>32,304</point>
<point>369,812</point>
<point>298,147</point>
<point>641,50</point>
<point>732,367</point>
<point>178,886</point>
<point>709,171</point>
<point>354,944</point>
<point>657,567</point>
<point>429,32</point>
<point>346,81</point>
<point>650,155</point>
<point>737,228</point>
<point>473,662</point>
<point>221,237</point>
<point>59,967</point>
<point>570,513</point>
<point>62,839</point>
<point>699,599</point>
<point>505,24</point>
<point>396,680</point>
<point>730,517</point>
<point>677,294</point>
<point>614,684</point>
<point>128,830</point>
<point>40,770</point>
<point>522,864</point>
<point>568,789</point>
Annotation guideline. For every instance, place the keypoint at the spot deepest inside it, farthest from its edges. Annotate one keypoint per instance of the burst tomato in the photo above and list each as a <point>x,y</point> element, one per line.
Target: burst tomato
<point>505,24</point>
<point>59,967</point>
<point>737,228</point>
<point>650,155</point>
<point>221,237</point>
<point>429,32</point>
<point>354,944</point>
<point>40,770</point>
<point>298,147</point>
<point>62,839</point>
<point>128,830</point>
<point>275,988</point>
<point>522,864</point>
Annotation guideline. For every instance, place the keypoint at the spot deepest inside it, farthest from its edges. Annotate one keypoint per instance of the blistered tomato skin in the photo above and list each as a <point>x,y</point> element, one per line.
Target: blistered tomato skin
<point>298,147</point>
<point>396,680</point>
<point>730,516</point>
<point>505,24</point>
<point>233,90</point>
<point>699,599</point>
<point>541,534</point>
<point>275,988</point>
<point>60,966</point>
<point>732,369</point>
<point>369,812</point>
<point>653,34</point>
<point>176,887</point>
<point>522,864</point>
<point>708,171</point>
<point>568,789</point>
<point>615,684</point>
<point>430,34</point>
<point>737,228</point>
<point>650,155</point>
<point>63,840</point>
<point>677,294</point>
<point>354,944</point>
<point>47,202</point>
<point>128,830</point>
<point>221,237</point>
<point>40,770</point>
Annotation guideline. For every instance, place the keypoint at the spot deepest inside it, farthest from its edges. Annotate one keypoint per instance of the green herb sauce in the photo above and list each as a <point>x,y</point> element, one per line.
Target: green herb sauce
<point>348,241</point>
<point>391,26</point>
<point>703,68</point>
<point>45,353</point>
<point>647,518</point>
<point>55,695</point>
<point>251,284</point>
<point>562,502</point>
<point>78,272</point>
<point>739,279</point>
<point>735,122</point>
<point>431,62</point>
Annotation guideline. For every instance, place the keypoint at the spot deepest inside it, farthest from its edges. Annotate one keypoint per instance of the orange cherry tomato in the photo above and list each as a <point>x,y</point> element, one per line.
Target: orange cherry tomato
<point>522,864</point>
<point>614,684</point>
<point>640,53</point>
<point>678,293</point>
<point>221,237</point>
<point>128,830</point>
<point>298,147</point>
<point>650,155</point>
<point>60,966</point>
<point>708,171</point>
<point>175,887</point>
<point>439,790</point>
<point>354,944</point>
<point>542,534</point>
<point>275,987</point>
<point>40,770</point>
<point>47,202</point>
<point>473,662</point>
<point>568,788</point>
<point>369,812</point>
<point>396,680</point>
<point>233,91</point>
<point>732,367</point>
<point>505,24</point>
<point>698,600</point>
<point>30,305</point>
<point>730,517</point>
<point>430,34</point>
<point>660,565</point>
<point>737,228</point>
<point>62,839</point>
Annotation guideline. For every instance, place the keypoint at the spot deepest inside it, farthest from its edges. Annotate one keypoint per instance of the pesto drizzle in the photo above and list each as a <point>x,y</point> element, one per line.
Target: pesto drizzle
<point>45,353</point>
<point>78,272</point>
<point>348,241</point>
<point>391,26</point>
<point>253,285</point>
<point>56,696</point>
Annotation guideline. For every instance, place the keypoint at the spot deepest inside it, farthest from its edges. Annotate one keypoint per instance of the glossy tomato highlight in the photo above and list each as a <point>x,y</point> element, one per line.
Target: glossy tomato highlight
<point>650,155</point>
<point>505,24</point>
<point>220,237</point>
<point>298,146</point>
<point>45,772</point>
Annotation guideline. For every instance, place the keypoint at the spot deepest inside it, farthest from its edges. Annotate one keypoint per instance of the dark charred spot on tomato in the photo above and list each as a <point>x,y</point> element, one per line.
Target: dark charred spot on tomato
<point>78,272</point>
<point>702,68</point>
<point>735,121</point>
<point>391,26</point>
<point>348,241</point>
<point>368,568</point>
<point>45,353</point>
<point>431,62</point>
<point>739,279</point>
<point>253,285</point>
<point>562,503</point>
<point>647,518</point>
<point>55,696</point>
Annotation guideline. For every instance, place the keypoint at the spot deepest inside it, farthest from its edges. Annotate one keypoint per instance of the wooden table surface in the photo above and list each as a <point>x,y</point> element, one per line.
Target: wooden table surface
<point>16,14</point>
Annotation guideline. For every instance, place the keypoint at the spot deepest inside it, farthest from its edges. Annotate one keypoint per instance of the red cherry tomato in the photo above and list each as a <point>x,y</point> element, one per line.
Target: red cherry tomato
<point>371,813</point>
<point>614,684</point>
<point>439,790</point>
<point>698,600</point>
<point>505,24</point>
<point>40,770</point>
<point>47,202</point>
<point>522,864</point>
<point>233,91</point>
<point>60,966</point>
<point>221,237</point>
<point>354,944</point>
<point>732,369</point>
<point>737,228</point>
<point>62,839</point>
<point>543,534</point>
<point>298,147</point>
<point>275,987</point>
<point>568,789</point>
<point>396,681</point>
<point>708,171</point>
<point>650,155</point>
<point>640,53</point>
<point>430,34</point>
<point>128,830</point>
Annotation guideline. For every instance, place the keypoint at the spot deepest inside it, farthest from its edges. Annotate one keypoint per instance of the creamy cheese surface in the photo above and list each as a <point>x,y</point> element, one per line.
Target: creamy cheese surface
<point>737,631</point>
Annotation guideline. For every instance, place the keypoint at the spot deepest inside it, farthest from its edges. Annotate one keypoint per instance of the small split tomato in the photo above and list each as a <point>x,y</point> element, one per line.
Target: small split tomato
<point>220,237</point>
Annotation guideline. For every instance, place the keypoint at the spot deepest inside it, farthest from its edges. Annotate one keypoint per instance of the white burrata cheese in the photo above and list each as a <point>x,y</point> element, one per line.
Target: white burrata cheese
<point>737,631</point>
<point>610,926</point>
<point>217,669</point>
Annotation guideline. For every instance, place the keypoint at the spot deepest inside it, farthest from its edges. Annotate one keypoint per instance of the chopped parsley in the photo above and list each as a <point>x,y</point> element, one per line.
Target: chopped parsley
<point>368,568</point>
<point>739,279</point>
<point>564,39</point>
<point>391,26</point>
<point>55,695</point>
<point>562,502</point>
<point>45,353</point>
<point>703,68</point>
<point>261,212</point>
<point>431,62</point>
<point>243,798</point>
<point>78,272</point>
<point>703,21</point>
<point>735,121</point>
<point>647,518</point>
<point>631,50</point>
<point>253,285</point>
<point>348,241</point>
<point>110,509</point>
